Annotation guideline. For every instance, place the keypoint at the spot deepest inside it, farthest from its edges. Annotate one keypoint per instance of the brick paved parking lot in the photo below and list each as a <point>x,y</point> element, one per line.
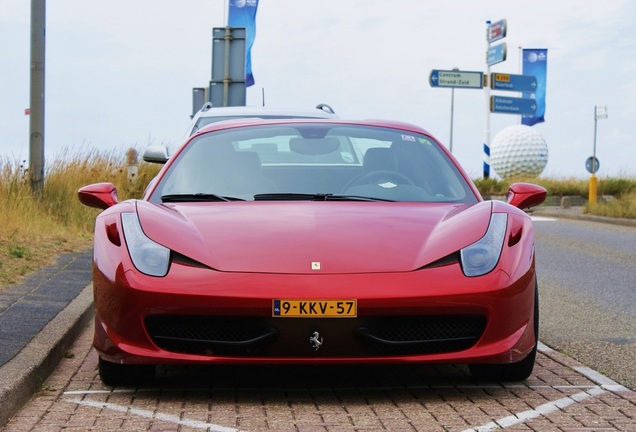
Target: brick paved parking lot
<point>562,395</point>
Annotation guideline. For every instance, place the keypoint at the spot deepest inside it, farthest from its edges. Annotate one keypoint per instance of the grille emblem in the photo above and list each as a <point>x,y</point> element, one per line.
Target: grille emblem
<point>315,340</point>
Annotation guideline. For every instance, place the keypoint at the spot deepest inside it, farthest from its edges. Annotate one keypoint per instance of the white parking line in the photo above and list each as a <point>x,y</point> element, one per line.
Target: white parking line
<point>602,380</point>
<point>153,415</point>
<point>541,410</point>
<point>603,385</point>
<point>594,376</point>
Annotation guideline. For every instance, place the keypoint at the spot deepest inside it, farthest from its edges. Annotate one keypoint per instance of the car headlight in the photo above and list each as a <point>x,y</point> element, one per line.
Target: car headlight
<point>482,256</point>
<point>148,257</point>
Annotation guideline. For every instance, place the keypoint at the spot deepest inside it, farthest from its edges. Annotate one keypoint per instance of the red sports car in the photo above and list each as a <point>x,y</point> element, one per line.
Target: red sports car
<point>313,241</point>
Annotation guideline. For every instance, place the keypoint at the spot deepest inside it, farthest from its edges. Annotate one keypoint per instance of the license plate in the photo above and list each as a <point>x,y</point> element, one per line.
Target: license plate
<point>300,308</point>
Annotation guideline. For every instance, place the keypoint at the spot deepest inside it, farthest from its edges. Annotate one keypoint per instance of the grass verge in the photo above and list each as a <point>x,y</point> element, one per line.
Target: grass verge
<point>34,230</point>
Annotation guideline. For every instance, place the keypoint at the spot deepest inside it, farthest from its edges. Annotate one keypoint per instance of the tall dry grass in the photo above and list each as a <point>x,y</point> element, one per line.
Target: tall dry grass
<point>619,188</point>
<point>35,229</point>
<point>620,206</point>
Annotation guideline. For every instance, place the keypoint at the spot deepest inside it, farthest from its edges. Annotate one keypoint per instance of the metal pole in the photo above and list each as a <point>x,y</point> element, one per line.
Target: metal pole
<point>487,127</point>
<point>452,114</point>
<point>593,180</point>
<point>594,148</point>
<point>36,108</point>
<point>451,118</point>
<point>226,66</point>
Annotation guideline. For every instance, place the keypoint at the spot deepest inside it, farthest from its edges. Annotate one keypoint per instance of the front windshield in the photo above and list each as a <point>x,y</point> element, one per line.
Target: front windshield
<point>313,161</point>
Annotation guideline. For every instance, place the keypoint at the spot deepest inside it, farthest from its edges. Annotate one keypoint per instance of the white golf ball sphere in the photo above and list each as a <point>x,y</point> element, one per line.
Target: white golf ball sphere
<point>518,151</point>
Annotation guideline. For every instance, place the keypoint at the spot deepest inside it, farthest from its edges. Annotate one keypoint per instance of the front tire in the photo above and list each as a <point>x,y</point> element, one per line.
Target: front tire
<point>115,374</point>
<point>511,371</point>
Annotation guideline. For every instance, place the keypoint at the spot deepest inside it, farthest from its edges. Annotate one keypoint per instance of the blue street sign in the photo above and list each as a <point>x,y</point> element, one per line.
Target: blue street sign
<point>456,78</point>
<point>592,165</point>
<point>497,30</point>
<point>510,105</point>
<point>497,54</point>
<point>518,83</point>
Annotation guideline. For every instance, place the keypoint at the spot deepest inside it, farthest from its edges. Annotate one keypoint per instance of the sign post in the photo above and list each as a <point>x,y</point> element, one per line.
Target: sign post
<point>512,105</point>
<point>497,54</point>
<point>494,32</point>
<point>456,78</point>
<point>497,30</point>
<point>453,79</point>
<point>600,112</point>
<point>498,81</point>
<point>517,83</point>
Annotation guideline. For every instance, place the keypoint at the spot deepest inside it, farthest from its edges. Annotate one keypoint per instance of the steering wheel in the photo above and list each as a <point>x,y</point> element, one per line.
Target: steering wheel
<point>378,177</point>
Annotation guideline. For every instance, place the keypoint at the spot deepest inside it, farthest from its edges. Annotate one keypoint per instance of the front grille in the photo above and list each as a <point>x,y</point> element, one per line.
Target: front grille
<point>289,337</point>
<point>221,336</point>
<point>421,335</point>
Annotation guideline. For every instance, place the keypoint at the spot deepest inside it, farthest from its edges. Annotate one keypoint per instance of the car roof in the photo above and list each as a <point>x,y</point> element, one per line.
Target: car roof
<point>251,121</point>
<point>321,111</point>
<point>208,111</point>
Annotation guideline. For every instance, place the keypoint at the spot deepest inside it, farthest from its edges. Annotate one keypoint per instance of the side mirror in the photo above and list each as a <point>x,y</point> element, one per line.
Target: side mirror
<point>98,195</point>
<point>156,154</point>
<point>526,195</point>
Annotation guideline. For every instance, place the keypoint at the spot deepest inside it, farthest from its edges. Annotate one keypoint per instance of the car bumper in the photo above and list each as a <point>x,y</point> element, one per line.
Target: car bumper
<point>200,316</point>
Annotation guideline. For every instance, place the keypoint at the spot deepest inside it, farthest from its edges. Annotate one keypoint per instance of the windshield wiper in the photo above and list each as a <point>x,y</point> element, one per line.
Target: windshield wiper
<point>197,197</point>
<point>313,197</point>
<point>332,197</point>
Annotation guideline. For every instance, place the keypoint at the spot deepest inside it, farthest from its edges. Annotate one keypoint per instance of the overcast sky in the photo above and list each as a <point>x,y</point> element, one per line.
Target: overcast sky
<point>120,73</point>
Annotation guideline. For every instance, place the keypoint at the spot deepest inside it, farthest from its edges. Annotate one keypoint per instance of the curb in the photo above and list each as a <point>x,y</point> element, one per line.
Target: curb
<point>22,376</point>
<point>576,214</point>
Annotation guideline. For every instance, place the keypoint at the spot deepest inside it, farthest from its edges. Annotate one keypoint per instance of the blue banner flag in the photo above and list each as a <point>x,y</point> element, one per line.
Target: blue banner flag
<point>535,62</point>
<point>243,14</point>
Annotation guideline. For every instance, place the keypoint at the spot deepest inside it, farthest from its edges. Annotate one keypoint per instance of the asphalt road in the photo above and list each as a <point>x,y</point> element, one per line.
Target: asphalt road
<point>587,286</point>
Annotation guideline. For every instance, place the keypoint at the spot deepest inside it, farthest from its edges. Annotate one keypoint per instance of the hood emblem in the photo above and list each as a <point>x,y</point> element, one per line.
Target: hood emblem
<point>315,340</point>
<point>315,265</point>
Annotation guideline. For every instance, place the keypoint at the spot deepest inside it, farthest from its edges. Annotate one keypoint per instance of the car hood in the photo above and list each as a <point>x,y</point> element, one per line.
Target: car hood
<point>314,237</point>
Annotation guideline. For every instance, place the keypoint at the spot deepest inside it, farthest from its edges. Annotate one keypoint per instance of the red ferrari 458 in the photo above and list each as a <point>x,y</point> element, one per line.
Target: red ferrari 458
<point>313,242</point>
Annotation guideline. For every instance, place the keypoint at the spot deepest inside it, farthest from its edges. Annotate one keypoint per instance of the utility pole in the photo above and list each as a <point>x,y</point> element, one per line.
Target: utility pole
<point>36,109</point>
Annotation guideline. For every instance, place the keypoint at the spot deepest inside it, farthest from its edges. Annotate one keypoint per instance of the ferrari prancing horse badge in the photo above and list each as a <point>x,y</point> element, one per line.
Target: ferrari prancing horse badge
<point>315,340</point>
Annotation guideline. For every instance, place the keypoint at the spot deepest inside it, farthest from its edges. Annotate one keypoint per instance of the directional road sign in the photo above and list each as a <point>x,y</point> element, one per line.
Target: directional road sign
<point>497,30</point>
<point>451,78</point>
<point>518,83</point>
<point>496,54</point>
<point>510,105</point>
<point>600,112</point>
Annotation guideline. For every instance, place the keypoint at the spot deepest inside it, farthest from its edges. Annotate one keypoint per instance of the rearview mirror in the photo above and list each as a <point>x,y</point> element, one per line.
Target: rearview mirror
<point>526,195</point>
<point>98,195</point>
<point>156,154</point>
